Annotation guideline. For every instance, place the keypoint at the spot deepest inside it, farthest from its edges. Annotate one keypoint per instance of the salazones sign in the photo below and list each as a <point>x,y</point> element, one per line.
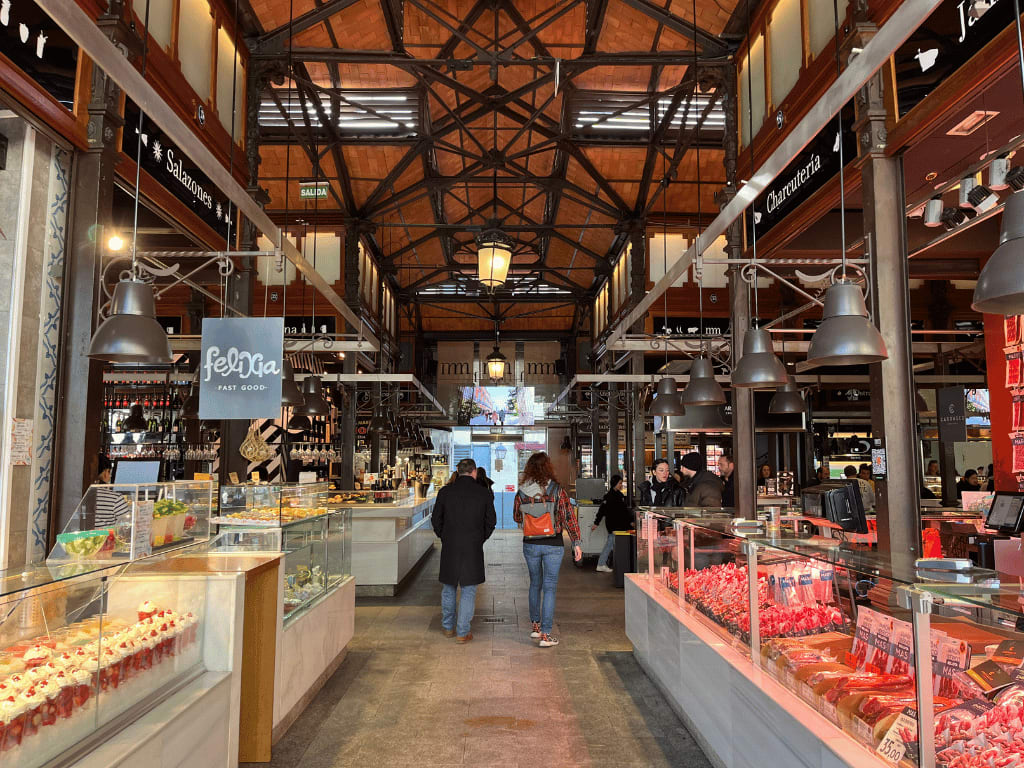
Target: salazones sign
<point>240,368</point>
<point>804,176</point>
<point>165,162</point>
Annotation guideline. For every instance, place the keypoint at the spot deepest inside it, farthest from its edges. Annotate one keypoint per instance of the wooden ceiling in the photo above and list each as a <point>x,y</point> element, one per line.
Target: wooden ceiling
<point>497,93</point>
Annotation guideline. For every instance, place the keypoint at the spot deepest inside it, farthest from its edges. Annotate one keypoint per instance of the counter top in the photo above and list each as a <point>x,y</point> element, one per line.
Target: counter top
<point>248,563</point>
<point>390,510</point>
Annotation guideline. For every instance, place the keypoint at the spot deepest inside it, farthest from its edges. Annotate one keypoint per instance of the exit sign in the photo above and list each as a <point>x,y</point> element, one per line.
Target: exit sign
<point>313,191</point>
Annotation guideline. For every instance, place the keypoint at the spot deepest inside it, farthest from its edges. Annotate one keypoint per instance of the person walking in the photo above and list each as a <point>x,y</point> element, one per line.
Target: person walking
<point>463,520</point>
<point>483,480</point>
<point>616,517</point>
<point>543,509</point>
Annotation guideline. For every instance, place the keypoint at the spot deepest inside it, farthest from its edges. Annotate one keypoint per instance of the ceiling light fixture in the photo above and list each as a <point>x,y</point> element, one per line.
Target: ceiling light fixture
<point>290,394</point>
<point>982,198</point>
<point>788,398</point>
<point>997,173</point>
<point>846,335</point>
<point>131,334</point>
<point>967,183</point>
<point>299,422</point>
<point>312,391</point>
<point>494,256</point>
<point>1015,178</point>
<point>758,368</point>
<point>933,212</point>
<point>115,243</point>
<point>702,388</point>
<point>1000,288</point>
<point>667,402</point>
<point>379,424</point>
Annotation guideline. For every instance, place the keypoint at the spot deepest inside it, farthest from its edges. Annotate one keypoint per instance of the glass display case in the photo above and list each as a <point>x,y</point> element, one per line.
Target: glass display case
<point>317,552</point>
<point>131,521</point>
<point>271,506</point>
<point>392,496</point>
<point>82,649</point>
<point>874,643</point>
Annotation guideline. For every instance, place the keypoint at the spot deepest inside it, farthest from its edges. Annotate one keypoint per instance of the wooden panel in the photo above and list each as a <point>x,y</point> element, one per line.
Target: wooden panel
<point>259,649</point>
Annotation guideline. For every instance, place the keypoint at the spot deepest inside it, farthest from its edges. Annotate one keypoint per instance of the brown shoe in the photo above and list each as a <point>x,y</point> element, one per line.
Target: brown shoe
<point>448,632</point>
<point>464,639</point>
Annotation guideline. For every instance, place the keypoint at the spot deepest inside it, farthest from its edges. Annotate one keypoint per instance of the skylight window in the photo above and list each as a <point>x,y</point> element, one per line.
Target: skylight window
<point>629,116</point>
<point>357,113</point>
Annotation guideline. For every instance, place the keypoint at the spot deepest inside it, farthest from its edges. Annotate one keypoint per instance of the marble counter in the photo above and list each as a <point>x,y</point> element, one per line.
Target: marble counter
<point>388,541</point>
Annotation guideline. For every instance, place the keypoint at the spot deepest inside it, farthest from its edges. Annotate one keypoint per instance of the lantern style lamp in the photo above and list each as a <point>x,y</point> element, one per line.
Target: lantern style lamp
<point>494,255</point>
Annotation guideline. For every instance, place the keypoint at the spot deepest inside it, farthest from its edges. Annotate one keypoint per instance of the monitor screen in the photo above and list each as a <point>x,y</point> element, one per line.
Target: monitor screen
<point>978,409</point>
<point>496,406</point>
<point>136,471</point>
<point>1005,512</point>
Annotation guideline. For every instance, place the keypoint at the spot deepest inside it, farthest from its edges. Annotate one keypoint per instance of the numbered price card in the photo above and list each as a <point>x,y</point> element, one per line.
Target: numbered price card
<point>900,739</point>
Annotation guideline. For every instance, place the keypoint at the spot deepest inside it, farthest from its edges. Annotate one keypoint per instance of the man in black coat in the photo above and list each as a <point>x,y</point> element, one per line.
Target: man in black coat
<point>463,519</point>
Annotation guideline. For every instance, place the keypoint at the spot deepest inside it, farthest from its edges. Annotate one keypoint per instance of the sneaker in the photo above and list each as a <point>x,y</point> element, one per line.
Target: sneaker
<point>603,569</point>
<point>546,641</point>
<point>535,630</point>
<point>464,639</point>
<point>449,632</point>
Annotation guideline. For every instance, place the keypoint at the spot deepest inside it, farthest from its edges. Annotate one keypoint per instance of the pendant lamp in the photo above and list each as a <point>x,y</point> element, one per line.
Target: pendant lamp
<point>190,408</point>
<point>667,402</point>
<point>136,421</point>
<point>494,255</point>
<point>846,335</point>
<point>290,394</point>
<point>702,389</point>
<point>920,404</point>
<point>131,334</point>
<point>312,391</point>
<point>1000,288</point>
<point>299,422</point>
<point>379,424</point>
<point>496,365</point>
<point>787,399</point>
<point>758,368</point>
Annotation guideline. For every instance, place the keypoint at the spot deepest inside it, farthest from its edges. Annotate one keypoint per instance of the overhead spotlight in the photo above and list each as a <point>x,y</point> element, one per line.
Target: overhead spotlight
<point>1015,178</point>
<point>933,212</point>
<point>967,183</point>
<point>982,198</point>
<point>997,173</point>
<point>953,217</point>
<point>980,7</point>
<point>115,243</point>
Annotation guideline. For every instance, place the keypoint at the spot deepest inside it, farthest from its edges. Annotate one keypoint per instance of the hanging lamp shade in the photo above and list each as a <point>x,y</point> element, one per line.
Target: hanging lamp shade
<point>136,421</point>
<point>131,333</point>
<point>190,408</point>
<point>290,394</point>
<point>312,391</point>
<point>920,404</point>
<point>702,389</point>
<point>787,399</point>
<point>1000,288</point>
<point>496,363</point>
<point>667,402</point>
<point>846,335</point>
<point>429,443</point>
<point>494,255</point>
<point>758,368</point>
<point>379,424</point>
<point>299,422</point>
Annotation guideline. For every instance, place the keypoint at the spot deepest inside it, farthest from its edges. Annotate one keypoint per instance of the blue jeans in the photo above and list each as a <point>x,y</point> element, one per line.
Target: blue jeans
<point>467,604</point>
<point>543,563</point>
<point>609,545</point>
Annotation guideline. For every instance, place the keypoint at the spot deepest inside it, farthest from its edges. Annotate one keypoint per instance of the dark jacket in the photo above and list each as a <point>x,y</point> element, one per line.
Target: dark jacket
<point>615,513</point>
<point>705,490</point>
<point>729,491</point>
<point>669,495</point>
<point>487,483</point>
<point>463,519</point>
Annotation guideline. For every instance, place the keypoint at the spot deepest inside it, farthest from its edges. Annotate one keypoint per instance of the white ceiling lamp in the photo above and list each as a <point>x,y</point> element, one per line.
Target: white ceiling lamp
<point>494,255</point>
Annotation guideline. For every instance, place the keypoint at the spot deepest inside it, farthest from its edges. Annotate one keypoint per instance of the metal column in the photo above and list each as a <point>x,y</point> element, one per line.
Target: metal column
<point>742,401</point>
<point>613,431</point>
<point>348,415</point>
<point>893,415</point>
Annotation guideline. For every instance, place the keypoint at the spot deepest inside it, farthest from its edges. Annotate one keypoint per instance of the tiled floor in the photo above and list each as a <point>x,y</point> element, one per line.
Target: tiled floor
<point>407,696</point>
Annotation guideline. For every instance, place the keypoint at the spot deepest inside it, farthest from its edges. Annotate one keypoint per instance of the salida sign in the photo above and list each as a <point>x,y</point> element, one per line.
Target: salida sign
<point>240,369</point>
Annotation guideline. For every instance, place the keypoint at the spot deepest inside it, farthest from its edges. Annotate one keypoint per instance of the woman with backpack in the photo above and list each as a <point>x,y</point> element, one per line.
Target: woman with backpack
<point>543,509</point>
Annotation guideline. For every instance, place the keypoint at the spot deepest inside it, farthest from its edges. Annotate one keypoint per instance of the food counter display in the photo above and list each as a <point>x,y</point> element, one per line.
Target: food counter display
<point>271,506</point>
<point>317,552</point>
<point>132,521</point>
<point>388,541</point>
<point>799,651</point>
<point>87,648</point>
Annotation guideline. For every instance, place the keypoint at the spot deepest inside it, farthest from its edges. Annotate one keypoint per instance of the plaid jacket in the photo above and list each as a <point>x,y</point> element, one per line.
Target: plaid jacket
<point>567,519</point>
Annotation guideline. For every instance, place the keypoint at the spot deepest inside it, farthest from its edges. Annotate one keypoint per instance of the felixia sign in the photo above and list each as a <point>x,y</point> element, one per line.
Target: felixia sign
<point>240,368</point>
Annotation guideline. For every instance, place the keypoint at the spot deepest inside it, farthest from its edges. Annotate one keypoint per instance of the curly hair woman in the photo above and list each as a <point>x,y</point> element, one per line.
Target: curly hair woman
<point>541,493</point>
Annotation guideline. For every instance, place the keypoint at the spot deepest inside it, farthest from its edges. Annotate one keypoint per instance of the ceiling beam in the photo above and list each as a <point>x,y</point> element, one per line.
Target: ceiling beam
<point>408,62</point>
<point>595,21</point>
<point>273,42</point>
<point>708,43</point>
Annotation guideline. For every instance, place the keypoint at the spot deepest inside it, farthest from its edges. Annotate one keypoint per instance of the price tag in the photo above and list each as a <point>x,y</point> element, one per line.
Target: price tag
<point>893,746</point>
<point>233,477</point>
<point>142,529</point>
<point>255,477</point>
<point>201,476</point>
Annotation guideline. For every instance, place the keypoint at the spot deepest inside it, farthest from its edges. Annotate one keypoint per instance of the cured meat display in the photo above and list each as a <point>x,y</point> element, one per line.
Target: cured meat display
<point>721,593</point>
